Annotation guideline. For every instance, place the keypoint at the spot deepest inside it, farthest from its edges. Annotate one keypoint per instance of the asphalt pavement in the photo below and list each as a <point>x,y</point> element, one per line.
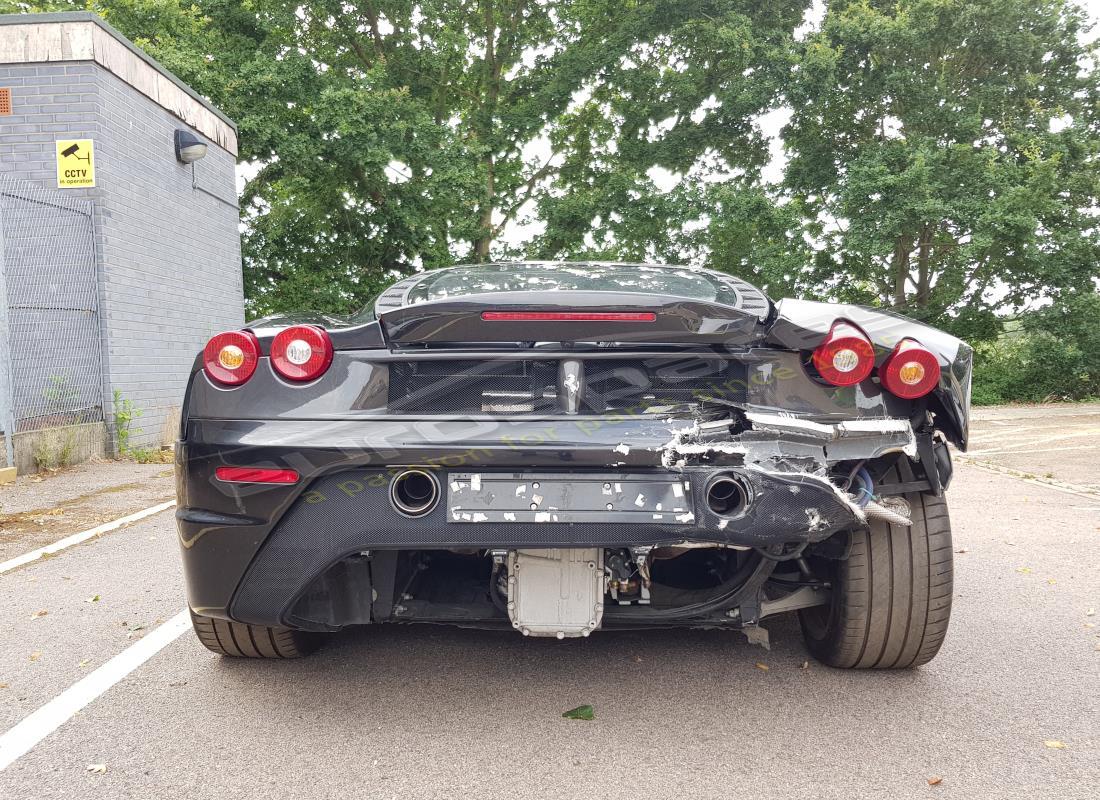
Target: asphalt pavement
<point>1010,708</point>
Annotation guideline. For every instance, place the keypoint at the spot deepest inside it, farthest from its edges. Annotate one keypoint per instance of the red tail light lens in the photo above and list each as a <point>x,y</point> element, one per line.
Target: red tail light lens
<point>846,357</point>
<point>230,358</point>
<point>255,475</point>
<point>301,353</point>
<point>911,371</point>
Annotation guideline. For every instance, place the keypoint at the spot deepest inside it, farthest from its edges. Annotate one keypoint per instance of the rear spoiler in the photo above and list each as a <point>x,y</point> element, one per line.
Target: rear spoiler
<point>570,316</point>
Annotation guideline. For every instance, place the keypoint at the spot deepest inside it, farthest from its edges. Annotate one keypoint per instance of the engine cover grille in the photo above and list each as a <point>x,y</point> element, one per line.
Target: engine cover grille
<point>530,386</point>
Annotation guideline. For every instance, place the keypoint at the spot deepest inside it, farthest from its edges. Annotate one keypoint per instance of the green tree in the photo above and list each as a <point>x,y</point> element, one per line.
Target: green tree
<point>942,153</point>
<point>1049,354</point>
<point>948,150</point>
<point>416,132</point>
<point>390,134</point>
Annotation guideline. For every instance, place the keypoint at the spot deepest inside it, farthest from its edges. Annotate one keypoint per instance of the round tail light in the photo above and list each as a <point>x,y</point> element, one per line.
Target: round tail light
<point>846,357</point>
<point>301,353</point>
<point>231,357</point>
<point>911,371</point>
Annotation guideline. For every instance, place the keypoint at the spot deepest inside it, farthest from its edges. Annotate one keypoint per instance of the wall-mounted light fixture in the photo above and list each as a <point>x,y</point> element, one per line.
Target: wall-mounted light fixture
<point>189,147</point>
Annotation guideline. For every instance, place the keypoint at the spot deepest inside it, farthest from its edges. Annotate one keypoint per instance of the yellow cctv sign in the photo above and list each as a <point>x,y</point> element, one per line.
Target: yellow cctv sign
<point>75,163</point>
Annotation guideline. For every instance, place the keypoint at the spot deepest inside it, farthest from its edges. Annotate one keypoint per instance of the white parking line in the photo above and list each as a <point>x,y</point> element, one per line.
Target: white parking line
<point>83,536</point>
<point>1017,451</point>
<point>1058,486</point>
<point>41,723</point>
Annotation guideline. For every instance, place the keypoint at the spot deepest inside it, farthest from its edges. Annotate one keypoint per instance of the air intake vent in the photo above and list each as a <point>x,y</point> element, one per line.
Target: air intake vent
<point>473,387</point>
<point>529,386</point>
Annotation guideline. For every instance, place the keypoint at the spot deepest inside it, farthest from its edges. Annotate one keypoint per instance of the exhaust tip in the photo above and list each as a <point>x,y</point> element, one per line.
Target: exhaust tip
<point>727,496</point>
<point>414,492</point>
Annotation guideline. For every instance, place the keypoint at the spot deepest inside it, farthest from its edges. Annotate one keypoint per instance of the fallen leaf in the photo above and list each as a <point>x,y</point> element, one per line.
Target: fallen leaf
<point>805,665</point>
<point>93,599</point>
<point>3,686</point>
<point>1091,612</point>
<point>97,769</point>
<point>134,630</point>
<point>84,663</point>
<point>935,780</point>
<point>580,712</point>
<point>37,654</point>
<point>762,666</point>
<point>1024,570</point>
<point>1054,744</point>
<point>962,550</point>
<point>1051,581</point>
<point>39,614</point>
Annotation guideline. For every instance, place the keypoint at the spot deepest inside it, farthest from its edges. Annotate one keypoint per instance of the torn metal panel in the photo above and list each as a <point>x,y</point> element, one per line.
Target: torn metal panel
<point>769,437</point>
<point>894,510</point>
<point>781,504</point>
<point>851,439</point>
<point>822,519</point>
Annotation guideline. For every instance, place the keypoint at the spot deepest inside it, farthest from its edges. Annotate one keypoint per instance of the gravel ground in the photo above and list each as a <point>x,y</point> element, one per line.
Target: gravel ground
<point>1050,442</point>
<point>40,509</point>
<point>430,712</point>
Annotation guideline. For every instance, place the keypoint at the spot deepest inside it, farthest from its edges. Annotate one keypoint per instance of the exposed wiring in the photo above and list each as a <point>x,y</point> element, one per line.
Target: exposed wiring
<point>747,579</point>
<point>791,556</point>
<point>866,492</point>
<point>852,474</point>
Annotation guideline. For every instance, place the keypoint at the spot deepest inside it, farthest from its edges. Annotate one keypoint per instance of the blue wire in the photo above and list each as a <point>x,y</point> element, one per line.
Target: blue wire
<point>867,490</point>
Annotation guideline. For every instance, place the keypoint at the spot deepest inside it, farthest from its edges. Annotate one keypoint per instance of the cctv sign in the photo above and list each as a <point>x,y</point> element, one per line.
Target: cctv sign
<point>75,163</point>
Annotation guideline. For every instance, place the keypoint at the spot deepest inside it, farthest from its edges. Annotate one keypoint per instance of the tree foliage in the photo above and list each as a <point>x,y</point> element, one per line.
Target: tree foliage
<point>387,135</point>
<point>1049,354</point>
<point>941,154</point>
<point>950,149</point>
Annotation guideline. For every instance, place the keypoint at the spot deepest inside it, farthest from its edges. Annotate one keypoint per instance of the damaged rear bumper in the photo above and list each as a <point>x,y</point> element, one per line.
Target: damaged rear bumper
<point>251,551</point>
<point>350,513</point>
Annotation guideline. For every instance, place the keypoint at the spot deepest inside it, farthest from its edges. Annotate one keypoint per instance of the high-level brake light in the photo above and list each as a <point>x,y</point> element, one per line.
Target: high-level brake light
<point>846,357</point>
<point>231,357</point>
<point>911,371</point>
<point>568,316</point>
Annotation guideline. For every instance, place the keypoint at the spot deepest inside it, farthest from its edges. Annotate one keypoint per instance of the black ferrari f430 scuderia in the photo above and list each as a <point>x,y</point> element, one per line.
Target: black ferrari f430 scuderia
<point>564,448</point>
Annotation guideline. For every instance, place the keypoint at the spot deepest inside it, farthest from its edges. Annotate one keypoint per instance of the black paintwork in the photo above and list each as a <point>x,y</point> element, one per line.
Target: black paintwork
<point>678,321</point>
<point>338,425</point>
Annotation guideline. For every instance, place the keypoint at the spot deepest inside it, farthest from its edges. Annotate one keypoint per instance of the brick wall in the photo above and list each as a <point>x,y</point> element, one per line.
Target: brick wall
<point>168,251</point>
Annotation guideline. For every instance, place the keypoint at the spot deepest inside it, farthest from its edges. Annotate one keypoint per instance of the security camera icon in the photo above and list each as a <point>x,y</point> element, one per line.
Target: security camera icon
<point>72,150</point>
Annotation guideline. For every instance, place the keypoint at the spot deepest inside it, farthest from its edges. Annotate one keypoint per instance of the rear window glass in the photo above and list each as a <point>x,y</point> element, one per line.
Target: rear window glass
<point>640,279</point>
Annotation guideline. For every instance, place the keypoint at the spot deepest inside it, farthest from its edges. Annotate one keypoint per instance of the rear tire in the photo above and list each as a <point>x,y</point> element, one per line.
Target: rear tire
<point>252,641</point>
<point>891,598</point>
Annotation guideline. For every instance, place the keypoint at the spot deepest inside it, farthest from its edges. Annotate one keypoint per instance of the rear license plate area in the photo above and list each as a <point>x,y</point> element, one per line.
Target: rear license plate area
<point>479,497</point>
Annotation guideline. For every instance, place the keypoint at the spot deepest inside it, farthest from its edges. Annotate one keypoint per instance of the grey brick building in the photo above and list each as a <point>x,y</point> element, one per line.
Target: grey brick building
<point>164,234</point>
